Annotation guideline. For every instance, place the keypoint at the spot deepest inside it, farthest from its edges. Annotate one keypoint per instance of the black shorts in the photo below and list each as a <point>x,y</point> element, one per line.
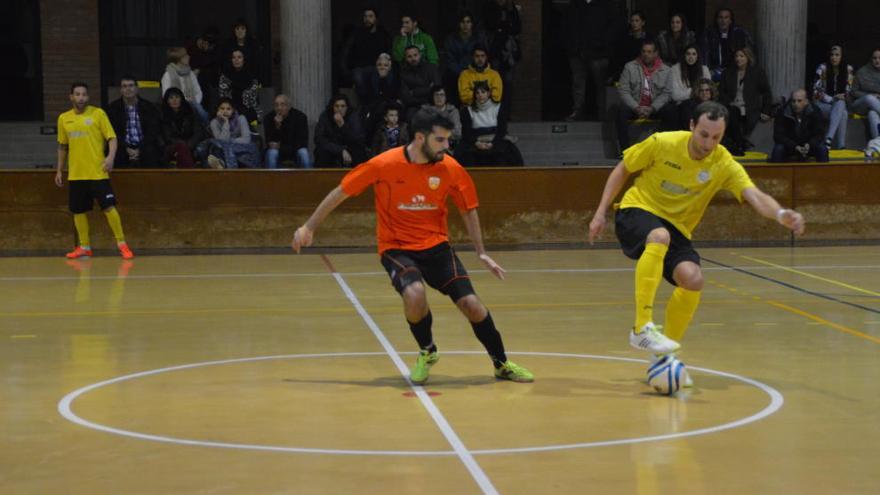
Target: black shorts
<point>632,227</point>
<point>84,193</point>
<point>438,266</point>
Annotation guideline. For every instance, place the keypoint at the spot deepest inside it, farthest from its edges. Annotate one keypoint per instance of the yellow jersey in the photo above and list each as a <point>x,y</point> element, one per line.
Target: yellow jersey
<point>85,135</point>
<point>676,187</point>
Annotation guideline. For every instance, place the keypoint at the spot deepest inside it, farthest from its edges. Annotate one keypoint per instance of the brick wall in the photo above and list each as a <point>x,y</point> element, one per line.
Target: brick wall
<point>69,36</point>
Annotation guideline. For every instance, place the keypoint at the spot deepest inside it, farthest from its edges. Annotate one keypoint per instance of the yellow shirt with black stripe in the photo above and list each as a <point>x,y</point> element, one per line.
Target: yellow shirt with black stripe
<point>676,187</point>
<point>85,135</point>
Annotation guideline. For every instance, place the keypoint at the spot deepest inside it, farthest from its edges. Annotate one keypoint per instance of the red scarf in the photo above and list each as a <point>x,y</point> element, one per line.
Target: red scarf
<point>647,93</point>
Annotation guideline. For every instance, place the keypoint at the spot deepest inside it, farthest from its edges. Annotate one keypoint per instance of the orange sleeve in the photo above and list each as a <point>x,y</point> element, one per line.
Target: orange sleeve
<point>361,177</point>
<point>463,190</point>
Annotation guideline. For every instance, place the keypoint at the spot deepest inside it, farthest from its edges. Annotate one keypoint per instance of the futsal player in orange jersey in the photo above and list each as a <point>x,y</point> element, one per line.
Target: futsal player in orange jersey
<point>411,186</point>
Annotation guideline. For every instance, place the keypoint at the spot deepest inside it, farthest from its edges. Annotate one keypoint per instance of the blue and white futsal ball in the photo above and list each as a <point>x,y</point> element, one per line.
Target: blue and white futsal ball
<point>666,375</point>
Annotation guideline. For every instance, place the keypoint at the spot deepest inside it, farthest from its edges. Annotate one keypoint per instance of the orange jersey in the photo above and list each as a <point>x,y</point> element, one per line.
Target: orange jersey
<point>411,198</point>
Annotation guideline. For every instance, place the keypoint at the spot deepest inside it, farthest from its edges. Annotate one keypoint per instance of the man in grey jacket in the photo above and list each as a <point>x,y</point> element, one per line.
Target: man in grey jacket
<point>866,91</point>
<point>644,91</point>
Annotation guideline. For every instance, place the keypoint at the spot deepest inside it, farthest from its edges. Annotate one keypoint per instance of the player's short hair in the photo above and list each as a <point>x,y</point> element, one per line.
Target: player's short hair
<point>712,110</point>
<point>78,84</point>
<point>425,122</point>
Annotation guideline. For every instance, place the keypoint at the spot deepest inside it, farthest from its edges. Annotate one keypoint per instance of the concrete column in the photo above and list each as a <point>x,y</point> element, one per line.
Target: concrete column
<point>782,42</point>
<point>305,55</point>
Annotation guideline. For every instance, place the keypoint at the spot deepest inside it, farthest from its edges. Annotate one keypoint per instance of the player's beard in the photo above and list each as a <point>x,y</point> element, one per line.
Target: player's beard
<point>430,154</point>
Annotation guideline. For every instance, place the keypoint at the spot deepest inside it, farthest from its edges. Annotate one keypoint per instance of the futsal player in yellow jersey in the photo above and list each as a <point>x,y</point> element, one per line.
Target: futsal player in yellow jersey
<point>82,132</point>
<point>679,173</point>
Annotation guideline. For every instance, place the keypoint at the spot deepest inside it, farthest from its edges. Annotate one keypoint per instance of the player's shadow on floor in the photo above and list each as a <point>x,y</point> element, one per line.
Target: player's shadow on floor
<point>437,381</point>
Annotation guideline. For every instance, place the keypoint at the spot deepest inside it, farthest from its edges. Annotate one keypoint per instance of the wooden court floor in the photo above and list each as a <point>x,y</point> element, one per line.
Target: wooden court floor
<point>269,374</point>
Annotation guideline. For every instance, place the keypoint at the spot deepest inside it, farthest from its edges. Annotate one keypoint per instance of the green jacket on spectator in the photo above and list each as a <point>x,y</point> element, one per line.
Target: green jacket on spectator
<point>419,39</point>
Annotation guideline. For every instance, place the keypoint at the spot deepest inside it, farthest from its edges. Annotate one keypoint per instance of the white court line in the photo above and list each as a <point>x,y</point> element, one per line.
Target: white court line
<point>463,453</point>
<point>371,274</point>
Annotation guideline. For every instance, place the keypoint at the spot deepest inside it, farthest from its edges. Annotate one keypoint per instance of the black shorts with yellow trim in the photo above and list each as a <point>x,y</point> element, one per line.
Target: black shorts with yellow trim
<point>84,193</point>
<point>438,266</point>
<point>632,226</point>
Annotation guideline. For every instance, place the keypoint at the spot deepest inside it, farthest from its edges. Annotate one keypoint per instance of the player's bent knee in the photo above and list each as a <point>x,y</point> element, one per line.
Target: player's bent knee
<point>659,236</point>
<point>414,293</point>
<point>689,276</point>
<point>472,307</point>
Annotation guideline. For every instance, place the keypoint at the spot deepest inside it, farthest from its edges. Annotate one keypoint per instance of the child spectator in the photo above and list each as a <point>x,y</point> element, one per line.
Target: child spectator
<point>230,142</point>
<point>392,134</point>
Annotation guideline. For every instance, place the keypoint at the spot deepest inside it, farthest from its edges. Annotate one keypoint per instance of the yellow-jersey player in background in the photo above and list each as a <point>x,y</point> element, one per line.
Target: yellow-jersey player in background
<point>679,173</point>
<point>82,133</point>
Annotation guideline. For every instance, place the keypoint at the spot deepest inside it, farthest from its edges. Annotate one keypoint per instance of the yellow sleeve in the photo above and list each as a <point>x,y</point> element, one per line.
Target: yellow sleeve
<point>62,132</point>
<point>639,156</point>
<point>106,128</point>
<point>738,179</point>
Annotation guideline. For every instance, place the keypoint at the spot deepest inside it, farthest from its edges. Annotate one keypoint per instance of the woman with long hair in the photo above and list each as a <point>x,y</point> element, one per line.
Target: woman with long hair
<point>239,84</point>
<point>831,92</point>
<point>684,77</point>
<point>339,136</point>
<point>182,130</point>
<point>673,42</point>
<point>746,92</point>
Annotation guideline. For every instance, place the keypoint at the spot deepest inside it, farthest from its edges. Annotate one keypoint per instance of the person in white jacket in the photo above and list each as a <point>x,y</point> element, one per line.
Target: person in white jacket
<point>178,74</point>
<point>683,78</point>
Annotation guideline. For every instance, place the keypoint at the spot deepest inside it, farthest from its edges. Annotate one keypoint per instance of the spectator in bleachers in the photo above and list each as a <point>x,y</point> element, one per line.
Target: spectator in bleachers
<point>368,42</point>
<point>205,60</point>
<point>392,134</point>
<point>629,46</point>
<point>416,79</point>
<point>644,91</point>
<point>746,92</point>
<point>479,70</point>
<point>589,32</point>
<point>484,133</point>
<point>230,144</point>
<point>720,42</point>
<point>502,24</point>
<point>459,47</point>
<point>411,35</point>
<point>381,87</point>
<point>247,45</point>
<point>441,106</point>
<point>866,91</point>
<point>339,136</point>
<point>673,42</point>
<point>287,135</point>
<point>798,131</point>
<point>831,92</point>
<point>240,85</point>
<point>704,90</point>
<point>179,74</point>
<point>182,130</point>
<point>683,78</point>
<point>136,122</point>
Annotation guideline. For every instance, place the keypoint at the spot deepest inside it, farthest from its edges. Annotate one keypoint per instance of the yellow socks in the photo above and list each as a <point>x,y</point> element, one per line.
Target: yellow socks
<point>81,222</point>
<point>681,308</point>
<point>649,272</point>
<point>115,224</point>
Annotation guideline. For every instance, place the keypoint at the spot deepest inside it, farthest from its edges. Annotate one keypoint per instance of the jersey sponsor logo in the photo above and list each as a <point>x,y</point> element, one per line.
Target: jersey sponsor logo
<point>76,134</point>
<point>673,187</point>
<point>433,183</point>
<point>417,203</point>
<point>673,165</point>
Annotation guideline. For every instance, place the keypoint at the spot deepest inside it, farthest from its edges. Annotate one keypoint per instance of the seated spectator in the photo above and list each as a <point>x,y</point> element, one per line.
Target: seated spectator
<point>392,134</point>
<point>241,86</point>
<point>416,79</point>
<point>629,47</point>
<point>136,123</point>
<point>798,131</point>
<point>502,24</point>
<point>703,91</point>
<point>745,91</point>
<point>720,42</point>
<point>644,92</point>
<point>287,135</point>
<point>411,35</point>
<point>683,78</point>
<point>440,106</point>
<point>363,47</point>
<point>247,45</point>
<point>205,60</point>
<point>230,144</point>
<point>831,92</point>
<point>380,87</point>
<point>182,130</point>
<point>459,52</point>
<point>672,43</point>
<point>484,133</point>
<point>179,74</point>
<point>479,70</point>
<point>339,136</point>
<point>866,92</point>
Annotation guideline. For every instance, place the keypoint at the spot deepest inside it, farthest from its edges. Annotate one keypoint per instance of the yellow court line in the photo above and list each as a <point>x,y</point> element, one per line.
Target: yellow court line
<point>810,275</point>
<point>824,321</point>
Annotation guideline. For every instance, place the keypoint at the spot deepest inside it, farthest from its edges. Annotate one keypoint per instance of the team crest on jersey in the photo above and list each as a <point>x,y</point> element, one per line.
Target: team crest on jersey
<point>704,176</point>
<point>433,183</point>
<point>88,121</point>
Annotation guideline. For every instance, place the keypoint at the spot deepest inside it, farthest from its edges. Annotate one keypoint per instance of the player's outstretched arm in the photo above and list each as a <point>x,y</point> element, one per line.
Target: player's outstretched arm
<point>304,235</point>
<point>768,207</point>
<point>613,186</point>
<point>472,222</point>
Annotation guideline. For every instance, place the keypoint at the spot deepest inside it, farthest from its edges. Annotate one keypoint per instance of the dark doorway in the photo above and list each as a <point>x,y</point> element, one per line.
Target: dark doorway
<point>21,79</point>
